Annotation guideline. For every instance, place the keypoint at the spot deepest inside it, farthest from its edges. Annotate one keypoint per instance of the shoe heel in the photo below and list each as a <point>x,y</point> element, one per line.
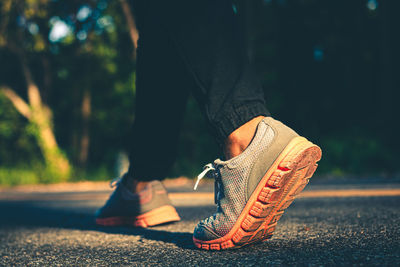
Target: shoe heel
<point>164,214</point>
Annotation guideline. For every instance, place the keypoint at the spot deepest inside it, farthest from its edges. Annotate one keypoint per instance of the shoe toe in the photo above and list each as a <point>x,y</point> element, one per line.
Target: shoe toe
<point>98,213</point>
<point>204,233</point>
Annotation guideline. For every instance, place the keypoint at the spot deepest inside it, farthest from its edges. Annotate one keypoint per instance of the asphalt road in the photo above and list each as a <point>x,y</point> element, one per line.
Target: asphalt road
<point>40,229</point>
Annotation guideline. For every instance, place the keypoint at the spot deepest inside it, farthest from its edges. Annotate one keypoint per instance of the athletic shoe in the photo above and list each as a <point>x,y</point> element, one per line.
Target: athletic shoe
<point>149,207</point>
<point>253,189</point>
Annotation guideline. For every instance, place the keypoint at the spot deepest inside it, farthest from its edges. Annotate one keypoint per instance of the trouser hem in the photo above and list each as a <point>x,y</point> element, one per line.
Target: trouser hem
<point>238,116</point>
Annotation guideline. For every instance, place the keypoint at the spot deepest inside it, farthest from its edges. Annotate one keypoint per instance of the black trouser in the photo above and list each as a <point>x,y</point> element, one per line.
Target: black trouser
<point>188,46</point>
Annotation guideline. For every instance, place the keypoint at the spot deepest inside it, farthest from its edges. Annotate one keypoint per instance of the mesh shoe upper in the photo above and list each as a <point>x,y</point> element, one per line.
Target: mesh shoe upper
<point>231,181</point>
<point>123,203</point>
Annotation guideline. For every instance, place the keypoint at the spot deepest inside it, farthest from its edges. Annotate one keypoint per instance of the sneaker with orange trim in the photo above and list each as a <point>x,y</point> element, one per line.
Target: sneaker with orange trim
<point>149,207</point>
<point>253,189</point>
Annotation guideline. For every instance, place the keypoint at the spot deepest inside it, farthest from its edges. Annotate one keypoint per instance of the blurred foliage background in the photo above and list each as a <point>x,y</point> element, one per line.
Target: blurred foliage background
<point>67,72</point>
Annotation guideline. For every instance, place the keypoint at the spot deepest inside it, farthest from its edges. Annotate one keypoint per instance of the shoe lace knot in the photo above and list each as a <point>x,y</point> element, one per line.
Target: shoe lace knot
<point>211,170</point>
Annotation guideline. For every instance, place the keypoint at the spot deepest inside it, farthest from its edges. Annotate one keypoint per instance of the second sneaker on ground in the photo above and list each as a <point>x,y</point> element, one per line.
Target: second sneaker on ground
<point>149,207</point>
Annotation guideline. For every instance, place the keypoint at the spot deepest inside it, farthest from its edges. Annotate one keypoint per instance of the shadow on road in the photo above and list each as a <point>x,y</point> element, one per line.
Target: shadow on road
<point>29,214</point>
<point>331,231</point>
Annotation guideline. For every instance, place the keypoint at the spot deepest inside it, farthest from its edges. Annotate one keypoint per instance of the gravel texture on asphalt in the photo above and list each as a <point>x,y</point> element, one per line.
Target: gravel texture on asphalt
<point>312,232</point>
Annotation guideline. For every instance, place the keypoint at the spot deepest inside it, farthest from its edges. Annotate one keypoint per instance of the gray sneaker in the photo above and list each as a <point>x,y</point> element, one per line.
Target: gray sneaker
<point>253,189</point>
<point>149,207</point>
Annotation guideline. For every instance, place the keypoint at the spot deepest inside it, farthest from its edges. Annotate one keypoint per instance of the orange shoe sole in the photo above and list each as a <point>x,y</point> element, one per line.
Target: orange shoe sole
<point>286,178</point>
<point>164,214</point>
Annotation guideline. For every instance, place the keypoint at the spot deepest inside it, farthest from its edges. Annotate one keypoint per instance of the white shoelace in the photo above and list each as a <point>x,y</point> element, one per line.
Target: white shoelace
<point>213,169</point>
<point>207,168</point>
<point>218,192</point>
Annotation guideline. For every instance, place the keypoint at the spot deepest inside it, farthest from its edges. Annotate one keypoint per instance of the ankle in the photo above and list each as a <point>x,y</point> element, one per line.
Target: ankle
<point>240,139</point>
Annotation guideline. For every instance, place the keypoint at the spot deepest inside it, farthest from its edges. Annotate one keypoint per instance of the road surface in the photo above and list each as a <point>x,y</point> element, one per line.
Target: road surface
<point>330,225</point>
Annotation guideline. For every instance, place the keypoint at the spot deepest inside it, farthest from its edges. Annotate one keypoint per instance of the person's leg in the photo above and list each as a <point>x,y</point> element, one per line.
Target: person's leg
<point>271,163</point>
<point>160,104</point>
<point>267,164</point>
<point>207,39</point>
<point>191,46</point>
<point>162,87</point>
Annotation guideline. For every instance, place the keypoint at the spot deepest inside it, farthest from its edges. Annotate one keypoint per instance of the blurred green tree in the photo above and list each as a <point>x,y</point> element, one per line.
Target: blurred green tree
<point>74,64</point>
<point>69,68</point>
<point>19,42</point>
